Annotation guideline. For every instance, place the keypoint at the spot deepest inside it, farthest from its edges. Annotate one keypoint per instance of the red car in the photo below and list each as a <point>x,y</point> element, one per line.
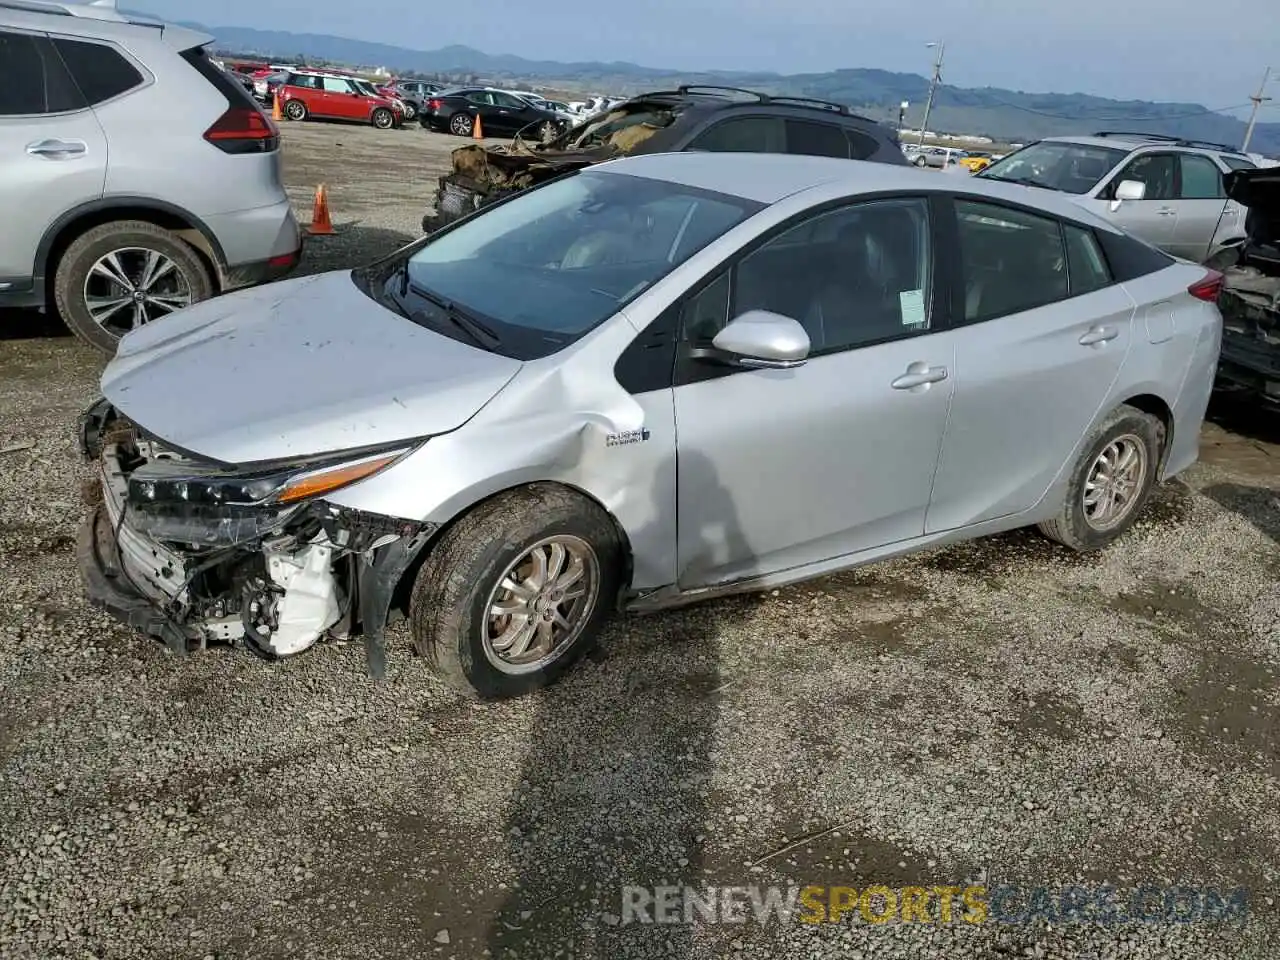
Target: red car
<point>334,97</point>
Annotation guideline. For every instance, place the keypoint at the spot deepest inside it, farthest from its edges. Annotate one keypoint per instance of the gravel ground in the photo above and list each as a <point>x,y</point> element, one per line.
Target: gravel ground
<point>996,712</point>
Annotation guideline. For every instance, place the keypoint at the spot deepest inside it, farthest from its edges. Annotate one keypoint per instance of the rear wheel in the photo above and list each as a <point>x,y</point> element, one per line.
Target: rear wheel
<point>516,591</point>
<point>1111,481</point>
<point>295,110</point>
<point>383,118</point>
<point>120,276</point>
<point>460,124</point>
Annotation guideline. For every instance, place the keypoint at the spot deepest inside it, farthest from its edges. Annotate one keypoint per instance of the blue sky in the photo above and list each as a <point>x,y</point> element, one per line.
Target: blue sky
<point>1187,50</point>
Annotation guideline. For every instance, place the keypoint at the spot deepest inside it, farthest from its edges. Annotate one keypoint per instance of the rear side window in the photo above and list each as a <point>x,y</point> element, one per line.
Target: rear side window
<point>35,80</point>
<point>1239,163</point>
<point>98,70</point>
<point>744,135</point>
<point>861,146</point>
<point>1086,266</point>
<point>1129,257</point>
<point>1013,261</point>
<point>236,94</point>
<point>816,139</point>
<point>1201,179</point>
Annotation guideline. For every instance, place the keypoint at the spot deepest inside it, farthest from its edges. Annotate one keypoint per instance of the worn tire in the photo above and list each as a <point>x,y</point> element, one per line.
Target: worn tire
<point>447,606</point>
<point>73,269</point>
<point>295,110</point>
<point>382,118</point>
<point>1070,527</point>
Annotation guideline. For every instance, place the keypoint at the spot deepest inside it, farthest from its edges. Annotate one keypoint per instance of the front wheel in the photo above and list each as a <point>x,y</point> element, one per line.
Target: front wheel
<point>383,118</point>
<point>1110,482</point>
<point>410,111</point>
<point>516,591</point>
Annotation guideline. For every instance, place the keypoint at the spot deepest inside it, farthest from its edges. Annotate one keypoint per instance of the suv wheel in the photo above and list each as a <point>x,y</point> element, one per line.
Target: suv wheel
<point>383,118</point>
<point>119,276</point>
<point>460,125</point>
<point>516,591</point>
<point>295,110</point>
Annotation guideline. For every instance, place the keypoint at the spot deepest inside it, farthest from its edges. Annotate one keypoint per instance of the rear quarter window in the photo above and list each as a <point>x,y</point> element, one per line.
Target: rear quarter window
<point>100,71</point>
<point>1130,258</point>
<point>236,94</point>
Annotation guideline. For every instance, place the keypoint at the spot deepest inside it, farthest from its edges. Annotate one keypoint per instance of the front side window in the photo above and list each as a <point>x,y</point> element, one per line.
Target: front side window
<point>1157,170</point>
<point>1056,165</point>
<point>1201,179</point>
<point>851,277</point>
<point>1012,261</point>
<point>744,135</point>
<point>552,263</point>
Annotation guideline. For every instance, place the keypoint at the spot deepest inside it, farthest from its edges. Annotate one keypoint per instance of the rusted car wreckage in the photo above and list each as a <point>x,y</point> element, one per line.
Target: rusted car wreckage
<point>1250,302</point>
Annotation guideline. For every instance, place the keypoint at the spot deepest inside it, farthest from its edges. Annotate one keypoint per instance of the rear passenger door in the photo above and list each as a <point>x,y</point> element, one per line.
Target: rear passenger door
<point>1046,330</point>
<point>53,153</point>
<point>1202,200</point>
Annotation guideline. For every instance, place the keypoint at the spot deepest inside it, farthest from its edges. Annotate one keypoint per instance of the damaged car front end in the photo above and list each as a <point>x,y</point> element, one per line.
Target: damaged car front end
<point>1250,301</point>
<point>193,552</point>
<point>484,175</point>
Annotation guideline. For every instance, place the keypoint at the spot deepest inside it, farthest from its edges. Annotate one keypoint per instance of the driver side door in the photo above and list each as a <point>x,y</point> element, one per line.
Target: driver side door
<point>779,468</point>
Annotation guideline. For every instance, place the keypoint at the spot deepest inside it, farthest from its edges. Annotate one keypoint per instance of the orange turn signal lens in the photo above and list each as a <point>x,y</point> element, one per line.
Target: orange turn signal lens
<point>320,482</point>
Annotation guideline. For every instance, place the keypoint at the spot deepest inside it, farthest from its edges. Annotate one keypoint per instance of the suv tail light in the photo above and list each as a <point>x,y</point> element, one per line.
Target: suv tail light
<point>244,129</point>
<point>1209,288</point>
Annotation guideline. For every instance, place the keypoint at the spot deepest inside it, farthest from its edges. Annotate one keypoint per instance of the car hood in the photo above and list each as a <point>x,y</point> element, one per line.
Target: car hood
<point>297,369</point>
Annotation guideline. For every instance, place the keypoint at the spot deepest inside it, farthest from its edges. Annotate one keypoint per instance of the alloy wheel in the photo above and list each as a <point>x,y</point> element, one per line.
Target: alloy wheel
<point>132,286</point>
<point>1114,481</point>
<point>541,604</point>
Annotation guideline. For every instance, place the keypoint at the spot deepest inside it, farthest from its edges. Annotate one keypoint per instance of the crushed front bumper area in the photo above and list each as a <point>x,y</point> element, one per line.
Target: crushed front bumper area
<point>275,581</point>
<point>1250,357</point>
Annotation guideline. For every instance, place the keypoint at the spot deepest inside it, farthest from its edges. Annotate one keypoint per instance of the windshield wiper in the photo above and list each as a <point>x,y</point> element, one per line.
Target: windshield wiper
<point>475,329</point>
<point>1023,182</point>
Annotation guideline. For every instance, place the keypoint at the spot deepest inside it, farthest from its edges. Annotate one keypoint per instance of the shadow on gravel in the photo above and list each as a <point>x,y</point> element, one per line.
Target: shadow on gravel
<point>615,791</point>
<point>31,325</point>
<point>1259,505</point>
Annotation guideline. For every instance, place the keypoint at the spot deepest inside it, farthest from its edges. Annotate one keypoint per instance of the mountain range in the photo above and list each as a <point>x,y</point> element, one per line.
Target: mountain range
<point>1004,115</point>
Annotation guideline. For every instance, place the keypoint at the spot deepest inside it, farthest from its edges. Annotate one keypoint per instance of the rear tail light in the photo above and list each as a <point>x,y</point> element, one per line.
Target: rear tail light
<point>434,104</point>
<point>1209,288</point>
<point>244,129</point>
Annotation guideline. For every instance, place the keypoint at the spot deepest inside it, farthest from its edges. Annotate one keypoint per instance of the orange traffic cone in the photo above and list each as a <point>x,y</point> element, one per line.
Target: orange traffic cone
<point>477,132</point>
<point>321,225</point>
<point>276,112</point>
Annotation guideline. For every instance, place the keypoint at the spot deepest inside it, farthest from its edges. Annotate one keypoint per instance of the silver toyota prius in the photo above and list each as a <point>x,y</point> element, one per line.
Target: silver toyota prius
<point>656,380</point>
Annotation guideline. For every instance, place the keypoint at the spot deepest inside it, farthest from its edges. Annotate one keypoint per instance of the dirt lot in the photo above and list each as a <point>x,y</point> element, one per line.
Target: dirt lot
<point>997,712</point>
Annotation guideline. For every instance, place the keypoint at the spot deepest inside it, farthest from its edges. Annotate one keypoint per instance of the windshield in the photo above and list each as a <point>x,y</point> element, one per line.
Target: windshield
<point>545,267</point>
<point>1057,165</point>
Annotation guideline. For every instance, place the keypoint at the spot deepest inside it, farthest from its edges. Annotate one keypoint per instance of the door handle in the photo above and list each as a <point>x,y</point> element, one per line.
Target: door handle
<point>1099,335</point>
<point>57,149</point>
<point>1166,211</point>
<point>919,375</point>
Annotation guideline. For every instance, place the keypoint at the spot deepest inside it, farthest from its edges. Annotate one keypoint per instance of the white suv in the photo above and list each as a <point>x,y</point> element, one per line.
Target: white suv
<point>136,175</point>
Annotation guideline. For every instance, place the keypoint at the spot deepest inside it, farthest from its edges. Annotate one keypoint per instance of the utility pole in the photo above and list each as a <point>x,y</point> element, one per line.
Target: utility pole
<point>1258,99</point>
<point>933,86</point>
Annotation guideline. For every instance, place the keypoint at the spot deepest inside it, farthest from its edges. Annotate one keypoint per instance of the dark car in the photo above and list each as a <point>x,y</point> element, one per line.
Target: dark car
<point>412,93</point>
<point>720,119</point>
<point>1250,301</point>
<point>499,112</point>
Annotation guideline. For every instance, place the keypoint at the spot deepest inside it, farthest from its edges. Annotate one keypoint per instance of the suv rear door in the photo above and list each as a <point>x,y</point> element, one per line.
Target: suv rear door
<point>53,152</point>
<point>1202,201</point>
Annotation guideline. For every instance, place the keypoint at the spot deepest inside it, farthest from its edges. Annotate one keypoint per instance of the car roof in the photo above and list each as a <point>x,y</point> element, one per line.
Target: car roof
<point>1128,142</point>
<point>99,19</point>
<point>770,177</point>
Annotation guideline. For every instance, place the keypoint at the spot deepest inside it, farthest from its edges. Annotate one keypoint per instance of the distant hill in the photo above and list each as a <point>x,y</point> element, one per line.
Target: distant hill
<point>1001,114</point>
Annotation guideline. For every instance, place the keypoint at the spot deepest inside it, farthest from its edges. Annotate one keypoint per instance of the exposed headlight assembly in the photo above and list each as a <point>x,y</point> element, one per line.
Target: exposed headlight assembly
<point>168,482</point>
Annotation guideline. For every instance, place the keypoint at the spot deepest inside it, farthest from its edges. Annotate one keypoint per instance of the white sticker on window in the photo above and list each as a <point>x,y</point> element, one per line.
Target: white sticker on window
<point>911,305</point>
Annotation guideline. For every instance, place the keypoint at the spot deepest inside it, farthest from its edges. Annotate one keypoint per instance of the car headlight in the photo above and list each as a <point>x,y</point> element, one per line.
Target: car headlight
<point>169,481</point>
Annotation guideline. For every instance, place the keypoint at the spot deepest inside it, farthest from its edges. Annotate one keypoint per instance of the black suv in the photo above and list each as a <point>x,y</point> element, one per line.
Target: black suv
<point>723,119</point>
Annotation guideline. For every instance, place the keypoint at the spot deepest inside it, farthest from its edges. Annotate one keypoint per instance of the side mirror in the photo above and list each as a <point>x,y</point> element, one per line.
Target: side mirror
<point>1128,190</point>
<point>760,339</point>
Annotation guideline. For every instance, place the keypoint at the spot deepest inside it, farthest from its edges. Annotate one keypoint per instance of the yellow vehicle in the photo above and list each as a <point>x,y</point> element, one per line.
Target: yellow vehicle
<point>973,163</point>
